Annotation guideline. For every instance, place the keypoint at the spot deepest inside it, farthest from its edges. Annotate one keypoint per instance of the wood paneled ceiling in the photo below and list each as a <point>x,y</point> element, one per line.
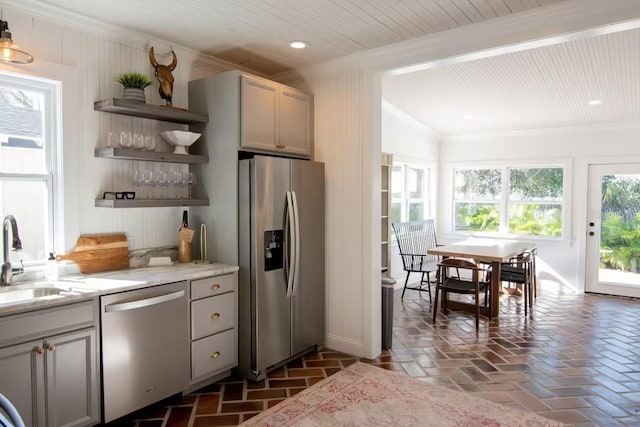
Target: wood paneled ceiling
<point>538,88</point>
<point>254,33</point>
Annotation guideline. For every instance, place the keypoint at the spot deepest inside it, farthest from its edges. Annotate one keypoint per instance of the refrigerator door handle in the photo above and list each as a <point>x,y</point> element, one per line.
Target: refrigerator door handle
<point>296,228</point>
<point>286,242</point>
<point>290,242</point>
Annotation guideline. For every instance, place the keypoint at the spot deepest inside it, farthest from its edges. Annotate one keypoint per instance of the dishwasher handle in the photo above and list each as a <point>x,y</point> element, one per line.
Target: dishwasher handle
<point>145,302</point>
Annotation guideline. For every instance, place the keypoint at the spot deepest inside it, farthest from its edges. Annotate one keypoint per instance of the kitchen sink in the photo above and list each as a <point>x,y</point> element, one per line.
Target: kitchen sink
<point>18,296</point>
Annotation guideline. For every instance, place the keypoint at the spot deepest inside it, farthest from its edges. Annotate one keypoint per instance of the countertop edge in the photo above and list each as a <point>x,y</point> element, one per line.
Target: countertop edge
<point>84,287</point>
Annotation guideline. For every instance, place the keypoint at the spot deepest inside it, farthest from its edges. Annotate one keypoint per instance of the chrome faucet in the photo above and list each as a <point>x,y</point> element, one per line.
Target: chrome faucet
<point>7,271</point>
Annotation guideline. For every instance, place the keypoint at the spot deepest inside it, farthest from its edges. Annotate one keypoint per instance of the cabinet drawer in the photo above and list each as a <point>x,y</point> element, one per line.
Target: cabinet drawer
<point>39,323</point>
<point>210,286</point>
<point>213,314</point>
<point>213,354</point>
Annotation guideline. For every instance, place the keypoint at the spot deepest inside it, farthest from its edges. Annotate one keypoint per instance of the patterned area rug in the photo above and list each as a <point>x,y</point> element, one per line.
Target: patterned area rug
<point>364,395</point>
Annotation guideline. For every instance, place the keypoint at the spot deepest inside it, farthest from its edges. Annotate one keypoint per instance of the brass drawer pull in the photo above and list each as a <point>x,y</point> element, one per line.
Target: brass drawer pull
<point>215,286</point>
<point>215,316</point>
<point>51,347</point>
<point>38,350</point>
<point>215,355</point>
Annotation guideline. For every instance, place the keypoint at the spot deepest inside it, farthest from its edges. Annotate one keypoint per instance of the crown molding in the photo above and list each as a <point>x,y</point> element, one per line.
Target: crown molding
<point>392,109</point>
<point>565,130</point>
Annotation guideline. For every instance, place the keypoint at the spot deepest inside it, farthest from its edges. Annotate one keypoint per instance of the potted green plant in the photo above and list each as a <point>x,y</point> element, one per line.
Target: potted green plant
<point>134,84</point>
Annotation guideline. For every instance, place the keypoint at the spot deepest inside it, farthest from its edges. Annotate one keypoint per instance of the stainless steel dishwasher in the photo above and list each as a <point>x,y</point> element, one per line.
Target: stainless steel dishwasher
<point>145,347</point>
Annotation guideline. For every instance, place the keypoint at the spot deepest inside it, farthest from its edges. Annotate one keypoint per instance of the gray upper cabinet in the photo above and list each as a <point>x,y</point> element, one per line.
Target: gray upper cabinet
<point>274,118</point>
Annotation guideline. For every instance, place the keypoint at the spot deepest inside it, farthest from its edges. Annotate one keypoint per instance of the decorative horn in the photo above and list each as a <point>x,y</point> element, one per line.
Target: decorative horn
<point>173,64</point>
<point>152,58</point>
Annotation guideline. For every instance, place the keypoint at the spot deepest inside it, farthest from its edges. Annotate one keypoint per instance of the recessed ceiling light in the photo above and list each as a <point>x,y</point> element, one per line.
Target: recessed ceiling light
<point>466,117</point>
<point>595,102</point>
<point>298,44</point>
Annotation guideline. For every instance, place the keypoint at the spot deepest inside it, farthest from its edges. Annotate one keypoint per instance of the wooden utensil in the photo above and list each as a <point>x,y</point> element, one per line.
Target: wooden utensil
<point>99,252</point>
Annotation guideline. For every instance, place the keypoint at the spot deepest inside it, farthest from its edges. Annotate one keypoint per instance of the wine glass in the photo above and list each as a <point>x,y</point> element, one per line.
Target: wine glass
<point>161,179</point>
<point>191,179</point>
<point>147,178</point>
<point>137,178</point>
<point>175,180</point>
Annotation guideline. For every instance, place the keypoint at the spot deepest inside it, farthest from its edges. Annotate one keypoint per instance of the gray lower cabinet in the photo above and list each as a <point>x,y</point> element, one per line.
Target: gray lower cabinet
<point>214,323</point>
<point>53,379</point>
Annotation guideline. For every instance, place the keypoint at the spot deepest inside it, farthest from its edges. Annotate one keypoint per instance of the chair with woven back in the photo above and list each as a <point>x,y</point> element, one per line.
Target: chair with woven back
<point>469,279</point>
<point>414,239</point>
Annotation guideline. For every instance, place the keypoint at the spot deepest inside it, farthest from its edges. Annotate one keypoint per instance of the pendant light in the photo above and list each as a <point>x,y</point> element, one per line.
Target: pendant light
<point>9,51</point>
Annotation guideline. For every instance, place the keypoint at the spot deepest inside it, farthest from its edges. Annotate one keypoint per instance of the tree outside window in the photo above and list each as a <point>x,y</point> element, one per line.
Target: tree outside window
<point>525,201</point>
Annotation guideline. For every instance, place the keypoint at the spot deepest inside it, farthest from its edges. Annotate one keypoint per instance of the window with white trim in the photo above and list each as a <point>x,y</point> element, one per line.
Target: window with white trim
<point>524,201</point>
<point>409,192</point>
<point>29,109</point>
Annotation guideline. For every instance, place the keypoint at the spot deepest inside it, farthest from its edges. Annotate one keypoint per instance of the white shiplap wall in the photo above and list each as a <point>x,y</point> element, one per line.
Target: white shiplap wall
<point>351,157</point>
<point>95,61</point>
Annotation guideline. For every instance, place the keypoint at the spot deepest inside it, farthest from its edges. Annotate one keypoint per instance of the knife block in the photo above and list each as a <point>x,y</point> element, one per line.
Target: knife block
<point>184,245</point>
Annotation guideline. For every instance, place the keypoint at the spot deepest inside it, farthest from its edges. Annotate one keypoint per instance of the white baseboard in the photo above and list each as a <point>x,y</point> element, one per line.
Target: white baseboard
<point>345,345</point>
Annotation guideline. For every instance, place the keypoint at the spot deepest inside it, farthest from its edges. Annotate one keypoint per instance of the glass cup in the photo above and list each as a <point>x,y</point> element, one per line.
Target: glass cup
<point>112,140</point>
<point>125,140</point>
<point>150,143</point>
<point>138,141</point>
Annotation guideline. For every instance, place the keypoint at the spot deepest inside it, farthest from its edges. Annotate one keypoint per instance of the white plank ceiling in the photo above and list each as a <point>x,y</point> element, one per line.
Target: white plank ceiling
<point>538,88</point>
<point>254,33</point>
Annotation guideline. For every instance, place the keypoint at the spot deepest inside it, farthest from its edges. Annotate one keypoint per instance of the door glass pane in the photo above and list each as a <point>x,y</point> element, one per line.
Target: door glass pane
<point>620,230</point>
<point>22,131</point>
<point>477,217</point>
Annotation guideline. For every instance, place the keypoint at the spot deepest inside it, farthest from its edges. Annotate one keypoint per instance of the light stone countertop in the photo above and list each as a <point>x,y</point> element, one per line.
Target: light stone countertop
<point>82,287</point>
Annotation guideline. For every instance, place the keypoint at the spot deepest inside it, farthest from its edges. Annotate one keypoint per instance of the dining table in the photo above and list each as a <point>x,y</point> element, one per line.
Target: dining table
<point>487,251</point>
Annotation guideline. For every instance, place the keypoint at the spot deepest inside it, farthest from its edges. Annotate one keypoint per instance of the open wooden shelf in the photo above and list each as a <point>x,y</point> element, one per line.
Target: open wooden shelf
<point>149,203</point>
<point>148,111</point>
<point>152,156</point>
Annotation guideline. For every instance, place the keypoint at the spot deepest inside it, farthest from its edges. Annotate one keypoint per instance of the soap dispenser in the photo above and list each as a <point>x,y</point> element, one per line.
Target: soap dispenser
<point>51,269</point>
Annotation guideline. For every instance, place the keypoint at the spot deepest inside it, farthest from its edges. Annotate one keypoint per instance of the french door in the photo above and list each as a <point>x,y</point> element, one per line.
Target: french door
<point>613,230</point>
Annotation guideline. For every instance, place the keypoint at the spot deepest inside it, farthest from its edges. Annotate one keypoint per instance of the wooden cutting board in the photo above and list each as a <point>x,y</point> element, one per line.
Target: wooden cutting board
<point>99,252</point>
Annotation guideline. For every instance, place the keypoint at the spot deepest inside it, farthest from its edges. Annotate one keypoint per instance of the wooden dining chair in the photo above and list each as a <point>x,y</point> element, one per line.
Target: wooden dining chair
<point>414,239</point>
<point>468,279</point>
<point>520,270</point>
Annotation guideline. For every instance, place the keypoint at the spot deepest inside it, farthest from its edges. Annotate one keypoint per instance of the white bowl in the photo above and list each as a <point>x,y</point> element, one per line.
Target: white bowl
<point>180,138</point>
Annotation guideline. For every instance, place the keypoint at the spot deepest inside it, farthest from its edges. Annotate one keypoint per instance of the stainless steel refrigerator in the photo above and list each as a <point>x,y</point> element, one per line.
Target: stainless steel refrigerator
<point>281,245</point>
